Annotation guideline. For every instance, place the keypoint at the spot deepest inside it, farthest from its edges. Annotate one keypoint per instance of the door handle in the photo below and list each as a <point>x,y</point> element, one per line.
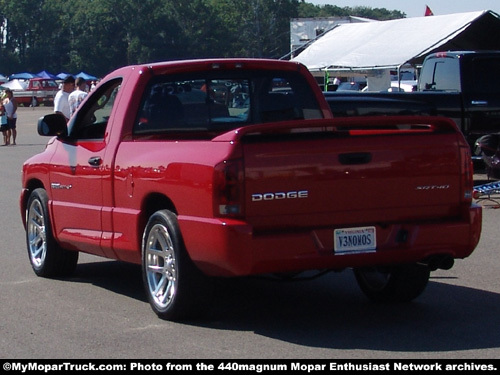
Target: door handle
<point>95,161</point>
<point>355,158</point>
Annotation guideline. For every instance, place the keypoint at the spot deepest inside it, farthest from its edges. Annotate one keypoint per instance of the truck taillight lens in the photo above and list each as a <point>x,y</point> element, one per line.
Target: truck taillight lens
<point>467,174</point>
<point>228,190</point>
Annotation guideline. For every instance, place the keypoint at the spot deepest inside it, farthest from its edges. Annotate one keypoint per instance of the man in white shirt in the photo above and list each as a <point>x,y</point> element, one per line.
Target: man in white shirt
<point>77,96</point>
<point>61,104</point>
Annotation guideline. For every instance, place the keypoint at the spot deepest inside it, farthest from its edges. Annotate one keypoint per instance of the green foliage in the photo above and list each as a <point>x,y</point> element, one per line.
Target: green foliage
<point>308,10</point>
<point>98,36</point>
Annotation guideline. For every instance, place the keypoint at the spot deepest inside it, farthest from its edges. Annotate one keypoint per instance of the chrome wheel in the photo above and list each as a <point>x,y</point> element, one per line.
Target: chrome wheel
<point>175,288</point>
<point>47,258</point>
<point>161,266</point>
<point>37,235</point>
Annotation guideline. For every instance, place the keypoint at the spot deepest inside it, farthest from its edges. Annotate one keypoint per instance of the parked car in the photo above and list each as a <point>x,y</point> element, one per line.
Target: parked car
<point>349,86</point>
<point>33,92</point>
<point>403,86</point>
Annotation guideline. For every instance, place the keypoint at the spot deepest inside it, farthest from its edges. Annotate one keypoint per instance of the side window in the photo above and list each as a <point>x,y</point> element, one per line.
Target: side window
<point>443,74</point>
<point>486,77</point>
<point>92,119</point>
<point>447,75</point>
<point>426,76</point>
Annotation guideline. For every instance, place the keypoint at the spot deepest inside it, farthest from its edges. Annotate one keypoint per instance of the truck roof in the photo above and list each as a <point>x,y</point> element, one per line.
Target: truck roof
<point>231,63</point>
<point>41,79</point>
<point>459,54</point>
<point>184,66</point>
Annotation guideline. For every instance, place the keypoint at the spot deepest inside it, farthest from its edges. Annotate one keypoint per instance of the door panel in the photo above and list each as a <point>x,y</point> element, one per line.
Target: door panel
<point>76,190</point>
<point>77,171</point>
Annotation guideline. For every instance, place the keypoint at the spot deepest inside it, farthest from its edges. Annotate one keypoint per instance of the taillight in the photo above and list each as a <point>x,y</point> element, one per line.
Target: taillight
<point>467,172</point>
<point>228,189</point>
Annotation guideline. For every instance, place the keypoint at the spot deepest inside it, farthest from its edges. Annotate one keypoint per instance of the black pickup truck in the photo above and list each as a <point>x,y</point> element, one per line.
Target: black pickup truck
<point>461,85</point>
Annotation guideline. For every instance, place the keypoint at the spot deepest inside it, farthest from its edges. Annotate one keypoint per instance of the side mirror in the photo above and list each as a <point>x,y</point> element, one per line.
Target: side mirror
<point>430,86</point>
<point>53,125</point>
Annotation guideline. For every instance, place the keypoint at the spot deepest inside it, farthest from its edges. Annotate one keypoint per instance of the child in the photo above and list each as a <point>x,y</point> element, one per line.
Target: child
<point>4,128</point>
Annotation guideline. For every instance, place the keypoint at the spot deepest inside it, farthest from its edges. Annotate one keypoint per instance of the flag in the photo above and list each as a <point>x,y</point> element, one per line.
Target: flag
<point>428,11</point>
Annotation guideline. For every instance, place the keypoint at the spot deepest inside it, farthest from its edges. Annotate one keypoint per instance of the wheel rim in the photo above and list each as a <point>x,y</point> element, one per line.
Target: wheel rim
<point>160,266</point>
<point>375,279</point>
<point>37,235</point>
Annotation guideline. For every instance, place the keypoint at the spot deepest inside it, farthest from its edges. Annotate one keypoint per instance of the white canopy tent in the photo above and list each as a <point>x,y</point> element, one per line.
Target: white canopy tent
<point>378,46</point>
<point>14,85</point>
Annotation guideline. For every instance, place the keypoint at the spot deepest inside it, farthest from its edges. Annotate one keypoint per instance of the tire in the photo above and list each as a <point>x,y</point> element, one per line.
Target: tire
<point>47,258</point>
<point>175,288</point>
<point>393,284</point>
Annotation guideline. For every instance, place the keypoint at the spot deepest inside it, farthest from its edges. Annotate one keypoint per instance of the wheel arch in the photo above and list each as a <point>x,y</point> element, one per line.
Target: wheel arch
<point>31,185</point>
<point>154,202</point>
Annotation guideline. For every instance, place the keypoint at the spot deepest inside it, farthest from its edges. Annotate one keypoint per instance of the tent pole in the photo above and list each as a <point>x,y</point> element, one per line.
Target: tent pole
<point>399,77</point>
<point>326,80</point>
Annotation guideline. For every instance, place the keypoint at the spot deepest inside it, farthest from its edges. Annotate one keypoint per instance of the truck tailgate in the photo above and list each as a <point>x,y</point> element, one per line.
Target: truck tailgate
<point>354,174</point>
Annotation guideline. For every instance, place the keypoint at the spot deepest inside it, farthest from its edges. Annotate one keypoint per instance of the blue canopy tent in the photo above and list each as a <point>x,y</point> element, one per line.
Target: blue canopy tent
<point>62,75</point>
<point>86,76</point>
<point>22,76</point>
<point>45,74</point>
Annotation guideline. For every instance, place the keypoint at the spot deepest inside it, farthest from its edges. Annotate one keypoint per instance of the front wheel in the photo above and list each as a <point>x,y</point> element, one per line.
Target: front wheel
<point>175,287</point>
<point>47,258</point>
<point>393,284</point>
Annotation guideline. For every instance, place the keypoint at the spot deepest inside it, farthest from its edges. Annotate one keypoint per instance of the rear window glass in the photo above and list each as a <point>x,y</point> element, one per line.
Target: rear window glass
<point>217,102</point>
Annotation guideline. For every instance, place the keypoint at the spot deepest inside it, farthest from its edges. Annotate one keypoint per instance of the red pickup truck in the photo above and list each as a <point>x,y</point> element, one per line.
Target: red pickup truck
<point>235,167</point>
<point>37,91</point>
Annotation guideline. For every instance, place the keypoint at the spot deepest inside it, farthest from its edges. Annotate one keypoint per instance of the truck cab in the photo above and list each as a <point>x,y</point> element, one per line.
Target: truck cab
<point>474,74</point>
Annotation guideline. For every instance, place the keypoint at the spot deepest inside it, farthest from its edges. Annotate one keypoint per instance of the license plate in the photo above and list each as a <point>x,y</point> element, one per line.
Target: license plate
<point>353,240</point>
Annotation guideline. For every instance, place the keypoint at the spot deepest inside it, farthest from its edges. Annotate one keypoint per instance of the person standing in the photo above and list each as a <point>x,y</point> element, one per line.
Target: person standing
<point>61,103</point>
<point>10,107</point>
<point>77,96</point>
<point>3,123</point>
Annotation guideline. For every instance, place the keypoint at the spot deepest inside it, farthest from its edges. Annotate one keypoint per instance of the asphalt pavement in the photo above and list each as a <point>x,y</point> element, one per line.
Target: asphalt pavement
<point>102,312</point>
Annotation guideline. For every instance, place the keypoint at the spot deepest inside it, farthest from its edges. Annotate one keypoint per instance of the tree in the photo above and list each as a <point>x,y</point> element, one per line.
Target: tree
<point>21,24</point>
<point>257,28</point>
<point>101,35</point>
<point>308,10</point>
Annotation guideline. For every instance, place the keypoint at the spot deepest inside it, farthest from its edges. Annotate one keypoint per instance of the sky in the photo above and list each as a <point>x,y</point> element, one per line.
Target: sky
<point>416,8</point>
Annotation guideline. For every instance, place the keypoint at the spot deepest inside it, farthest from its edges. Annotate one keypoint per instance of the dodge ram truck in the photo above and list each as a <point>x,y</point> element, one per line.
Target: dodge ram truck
<point>235,167</point>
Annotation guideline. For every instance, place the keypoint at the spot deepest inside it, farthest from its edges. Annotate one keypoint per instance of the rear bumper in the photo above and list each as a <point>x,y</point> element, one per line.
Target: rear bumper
<point>231,248</point>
